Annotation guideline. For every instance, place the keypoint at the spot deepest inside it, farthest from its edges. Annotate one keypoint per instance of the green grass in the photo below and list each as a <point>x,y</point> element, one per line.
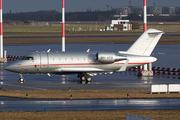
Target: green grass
<point>90,115</point>
<point>86,94</point>
<point>78,29</point>
<point>31,30</point>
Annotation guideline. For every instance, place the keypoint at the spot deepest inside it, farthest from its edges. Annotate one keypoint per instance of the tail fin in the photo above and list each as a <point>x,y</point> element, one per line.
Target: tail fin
<point>146,43</point>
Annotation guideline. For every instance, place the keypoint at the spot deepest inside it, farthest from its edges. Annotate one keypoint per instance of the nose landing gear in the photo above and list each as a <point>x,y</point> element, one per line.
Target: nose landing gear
<point>21,80</point>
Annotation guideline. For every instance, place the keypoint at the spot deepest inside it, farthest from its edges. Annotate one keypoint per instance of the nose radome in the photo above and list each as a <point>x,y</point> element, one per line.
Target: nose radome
<point>10,67</point>
<point>7,67</point>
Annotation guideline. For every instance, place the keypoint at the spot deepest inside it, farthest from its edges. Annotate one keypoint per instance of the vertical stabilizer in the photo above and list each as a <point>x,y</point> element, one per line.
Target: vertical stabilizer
<point>146,43</point>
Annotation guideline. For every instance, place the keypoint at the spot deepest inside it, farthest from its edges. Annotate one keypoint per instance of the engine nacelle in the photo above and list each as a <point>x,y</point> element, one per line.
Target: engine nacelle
<point>109,57</point>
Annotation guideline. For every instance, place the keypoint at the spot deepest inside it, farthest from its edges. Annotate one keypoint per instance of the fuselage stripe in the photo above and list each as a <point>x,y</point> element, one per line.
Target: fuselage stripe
<point>79,64</point>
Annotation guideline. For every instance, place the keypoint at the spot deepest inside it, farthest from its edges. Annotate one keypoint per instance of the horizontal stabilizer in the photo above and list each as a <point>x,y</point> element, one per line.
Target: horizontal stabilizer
<point>160,32</point>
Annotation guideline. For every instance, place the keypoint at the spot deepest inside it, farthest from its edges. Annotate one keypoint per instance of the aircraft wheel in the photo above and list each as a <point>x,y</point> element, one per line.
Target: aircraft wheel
<point>21,80</point>
<point>88,79</point>
<point>83,78</point>
<point>83,82</point>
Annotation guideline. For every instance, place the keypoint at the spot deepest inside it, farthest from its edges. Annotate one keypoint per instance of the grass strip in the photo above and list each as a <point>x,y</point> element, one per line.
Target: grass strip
<point>117,40</point>
<point>90,115</point>
<point>81,29</point>
<point>86,94</point>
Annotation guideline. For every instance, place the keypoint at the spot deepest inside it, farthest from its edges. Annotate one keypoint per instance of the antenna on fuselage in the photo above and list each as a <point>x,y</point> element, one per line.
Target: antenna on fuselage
<point>88,50</point>
<point>48,50</point>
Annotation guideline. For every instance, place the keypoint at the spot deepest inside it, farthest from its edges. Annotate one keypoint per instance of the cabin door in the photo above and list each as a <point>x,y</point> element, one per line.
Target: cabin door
<point>44,61</point>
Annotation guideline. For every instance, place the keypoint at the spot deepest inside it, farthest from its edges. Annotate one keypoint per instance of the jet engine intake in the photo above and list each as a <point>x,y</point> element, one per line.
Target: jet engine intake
<point>109,57</point>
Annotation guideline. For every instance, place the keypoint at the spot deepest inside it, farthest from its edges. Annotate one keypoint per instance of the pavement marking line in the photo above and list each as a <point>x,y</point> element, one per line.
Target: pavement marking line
<point>25,87</point>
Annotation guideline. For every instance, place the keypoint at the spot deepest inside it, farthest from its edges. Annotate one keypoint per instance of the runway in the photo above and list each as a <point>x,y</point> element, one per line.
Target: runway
<point>15,104</point>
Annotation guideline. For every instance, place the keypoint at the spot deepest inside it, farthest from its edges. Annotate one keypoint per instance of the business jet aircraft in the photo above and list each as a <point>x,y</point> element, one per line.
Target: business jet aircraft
<point>87,64</point>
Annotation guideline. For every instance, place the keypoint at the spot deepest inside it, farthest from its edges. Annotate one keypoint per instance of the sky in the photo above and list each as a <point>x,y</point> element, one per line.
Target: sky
<point>76,5</point>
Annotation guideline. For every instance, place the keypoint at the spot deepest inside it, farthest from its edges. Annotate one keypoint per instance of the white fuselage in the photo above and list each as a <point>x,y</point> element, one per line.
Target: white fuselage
<point>71,62</point>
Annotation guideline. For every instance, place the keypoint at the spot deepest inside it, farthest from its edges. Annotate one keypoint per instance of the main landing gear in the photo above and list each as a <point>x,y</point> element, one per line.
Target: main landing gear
<point>21,80</point>
<point>84,77</point>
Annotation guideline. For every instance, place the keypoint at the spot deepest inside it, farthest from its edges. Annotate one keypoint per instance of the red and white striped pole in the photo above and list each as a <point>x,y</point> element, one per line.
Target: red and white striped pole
<point>63,27</point>
<point>145,28</point>
<point>1,31</point>
<point>145,16</point>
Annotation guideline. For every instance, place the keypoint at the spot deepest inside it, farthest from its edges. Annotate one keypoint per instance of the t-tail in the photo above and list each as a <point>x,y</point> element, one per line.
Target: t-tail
<point>145,44</point>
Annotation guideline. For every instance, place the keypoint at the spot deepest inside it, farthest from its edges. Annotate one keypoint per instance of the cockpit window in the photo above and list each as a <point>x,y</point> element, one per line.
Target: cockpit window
<point>27,58</point>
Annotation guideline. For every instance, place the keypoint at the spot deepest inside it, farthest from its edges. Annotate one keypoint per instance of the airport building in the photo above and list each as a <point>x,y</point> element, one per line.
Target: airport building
<point>119,25</point>
<point>154,10</point>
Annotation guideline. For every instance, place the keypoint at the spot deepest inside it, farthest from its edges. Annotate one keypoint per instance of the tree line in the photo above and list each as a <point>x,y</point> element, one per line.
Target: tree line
<point>52,15</point>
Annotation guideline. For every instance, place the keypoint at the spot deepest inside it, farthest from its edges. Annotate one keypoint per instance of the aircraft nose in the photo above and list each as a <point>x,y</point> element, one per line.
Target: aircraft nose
<point>8,67</point>
<point>13,67</point>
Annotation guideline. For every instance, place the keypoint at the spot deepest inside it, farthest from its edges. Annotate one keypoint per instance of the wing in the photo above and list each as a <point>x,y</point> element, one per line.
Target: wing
<point>89,71</point>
